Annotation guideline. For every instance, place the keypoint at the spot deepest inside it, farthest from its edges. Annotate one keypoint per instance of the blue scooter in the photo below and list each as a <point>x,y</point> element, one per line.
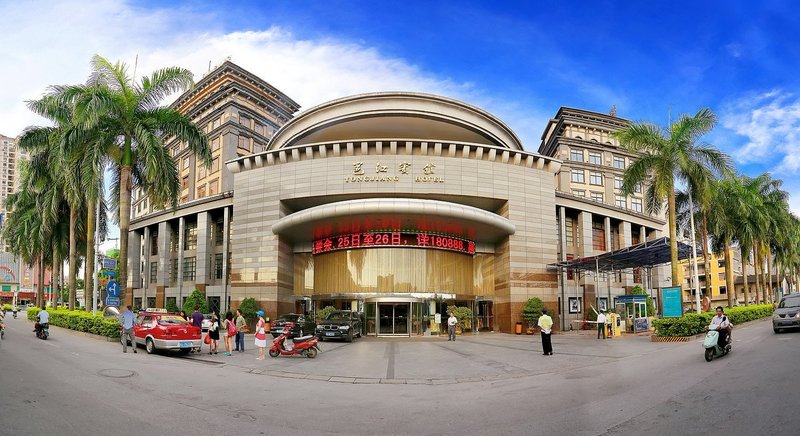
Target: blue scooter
<point>712,348</point>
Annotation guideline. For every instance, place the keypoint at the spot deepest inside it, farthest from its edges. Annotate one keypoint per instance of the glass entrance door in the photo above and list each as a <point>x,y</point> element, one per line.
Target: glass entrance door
<point>393,318</point>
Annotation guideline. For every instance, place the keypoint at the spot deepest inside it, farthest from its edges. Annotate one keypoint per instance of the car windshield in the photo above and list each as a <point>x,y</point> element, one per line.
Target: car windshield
<point>290,318</point>
<point>789,302</point>
<point>339,315</point>
<point>172,320</point>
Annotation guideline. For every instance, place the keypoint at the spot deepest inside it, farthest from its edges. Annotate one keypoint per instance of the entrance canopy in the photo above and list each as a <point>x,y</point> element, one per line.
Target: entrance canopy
<point>646,254</point>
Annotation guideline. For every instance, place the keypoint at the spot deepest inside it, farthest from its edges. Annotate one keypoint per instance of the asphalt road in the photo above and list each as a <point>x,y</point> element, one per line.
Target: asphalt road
<point>71,385</point>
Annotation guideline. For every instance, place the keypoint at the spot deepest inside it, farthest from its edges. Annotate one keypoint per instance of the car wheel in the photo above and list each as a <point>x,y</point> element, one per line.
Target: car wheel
<point>349,338</point>
<point>150,346</point>
<point>274,353</point>
<point>321,339</point>
<point>311,353</point>
<point>709,354</point>
<point>776,330</point>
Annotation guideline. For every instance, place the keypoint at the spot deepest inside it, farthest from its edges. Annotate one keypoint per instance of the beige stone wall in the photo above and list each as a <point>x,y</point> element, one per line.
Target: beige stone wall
<point>262,264</point>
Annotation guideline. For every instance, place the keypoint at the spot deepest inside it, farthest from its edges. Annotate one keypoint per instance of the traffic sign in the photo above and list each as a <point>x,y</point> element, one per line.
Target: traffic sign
<point>112,288</point>
<point>109,263</point>
<point>112,301</point>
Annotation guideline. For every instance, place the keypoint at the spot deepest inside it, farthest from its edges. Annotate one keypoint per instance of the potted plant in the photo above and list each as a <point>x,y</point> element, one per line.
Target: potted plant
<point>531,312</point>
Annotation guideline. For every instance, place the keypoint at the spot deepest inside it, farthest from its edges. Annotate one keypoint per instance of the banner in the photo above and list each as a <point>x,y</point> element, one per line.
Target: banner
<point>672,302</point>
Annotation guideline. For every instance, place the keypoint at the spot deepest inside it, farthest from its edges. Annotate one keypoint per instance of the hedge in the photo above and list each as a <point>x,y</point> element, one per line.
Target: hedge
<point>79,320</point>
<point>692,324</point>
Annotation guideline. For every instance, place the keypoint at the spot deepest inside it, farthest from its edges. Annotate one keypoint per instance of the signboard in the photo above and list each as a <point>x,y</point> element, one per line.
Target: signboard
<point>640,325</point>
<point>109,263</point>
<point>112,301</point>
<point>392,239</point>
<point>672,302</point>
<point>112,288</point>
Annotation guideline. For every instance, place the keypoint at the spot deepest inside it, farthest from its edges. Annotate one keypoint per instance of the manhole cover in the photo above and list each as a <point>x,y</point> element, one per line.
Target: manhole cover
<point>116,373</point>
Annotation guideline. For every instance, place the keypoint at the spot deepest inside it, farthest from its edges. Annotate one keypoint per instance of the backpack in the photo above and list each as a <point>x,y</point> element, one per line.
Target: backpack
<point>231,328</point>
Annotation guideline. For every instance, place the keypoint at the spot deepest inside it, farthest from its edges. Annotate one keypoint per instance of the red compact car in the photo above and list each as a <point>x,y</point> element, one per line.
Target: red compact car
<point>158,330</point>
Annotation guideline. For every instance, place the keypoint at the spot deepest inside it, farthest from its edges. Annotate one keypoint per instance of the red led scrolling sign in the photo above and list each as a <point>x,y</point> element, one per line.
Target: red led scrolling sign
<point>392,239</point>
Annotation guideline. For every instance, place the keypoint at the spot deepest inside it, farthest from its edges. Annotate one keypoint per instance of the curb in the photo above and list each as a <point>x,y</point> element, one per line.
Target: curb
<point>655,338</point>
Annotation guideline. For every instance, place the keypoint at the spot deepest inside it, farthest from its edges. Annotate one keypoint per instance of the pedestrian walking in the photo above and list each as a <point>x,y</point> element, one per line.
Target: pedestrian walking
<point>126,322</point>
<point>451,327</point>
<point>230,327</point>
<point>546,324</point>
<point>601,324</point>
<point>213,333</point>
<point>241,325</point>
<point>261,335</point>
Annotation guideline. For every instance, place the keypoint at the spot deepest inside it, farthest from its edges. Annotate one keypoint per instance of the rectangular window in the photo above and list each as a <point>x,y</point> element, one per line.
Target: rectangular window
<point>176,150</point>
<point>621,202</point>
<point>216,123</point>
<point>186,163</point>
<point>244,143</point>
<point>720,263</point>
<point>597,196</point>
<point>173,241</point>
<point>637,188</point>
<point>218,266</point>
<point>259,128</point>
<point>189,268</point>
<point>190,237</point>
<point>576,155</point>
<point>569,231</point>
<point>244,120</point>
<point>257,147</point>
<point>595,179</point>
<point>219,232</point>
<point>215,165</point>
<point>215,143</point>
<point>153,271</point>
<point>212,187</point>
<point>185,182</point>
<point>153,243</point>
<point>723,290</point>
<point>617,182</point>
<point>595,158</point>
<point>201,171</point>
<point>569,271</point>
<point>598,236</point>
<point>619,162</point>
<point>636,204</point>
<point>173,271</point>
<point>578,176</point>
<point>201,191</point>
<point>579,193</point>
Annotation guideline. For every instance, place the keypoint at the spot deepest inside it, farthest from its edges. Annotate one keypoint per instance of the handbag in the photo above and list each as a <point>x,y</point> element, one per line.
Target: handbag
<point>207,340</point>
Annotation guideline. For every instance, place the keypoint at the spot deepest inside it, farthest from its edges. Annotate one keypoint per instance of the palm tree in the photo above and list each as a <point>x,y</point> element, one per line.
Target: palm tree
<point>722,227</point>
<point>668,155</point>
<point>135,126</point>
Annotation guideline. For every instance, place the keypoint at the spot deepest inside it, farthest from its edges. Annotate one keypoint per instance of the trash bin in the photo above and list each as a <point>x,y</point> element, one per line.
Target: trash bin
<point>518,328</point>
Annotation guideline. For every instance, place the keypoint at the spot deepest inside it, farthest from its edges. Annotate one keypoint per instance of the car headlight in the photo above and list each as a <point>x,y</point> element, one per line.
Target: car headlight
<point>797,315</point>
<point>344,327</point>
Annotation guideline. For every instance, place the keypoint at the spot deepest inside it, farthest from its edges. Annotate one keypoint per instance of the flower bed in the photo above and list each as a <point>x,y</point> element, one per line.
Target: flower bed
<point>693,324</point>
<point>79,320</point>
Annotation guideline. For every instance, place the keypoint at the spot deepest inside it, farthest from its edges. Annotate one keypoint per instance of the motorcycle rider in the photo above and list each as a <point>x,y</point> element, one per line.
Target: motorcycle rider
<point>722,325</point>
<point>44,320</point>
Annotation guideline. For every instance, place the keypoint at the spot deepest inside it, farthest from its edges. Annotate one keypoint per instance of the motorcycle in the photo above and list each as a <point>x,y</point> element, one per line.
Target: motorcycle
<point>712,347</point>
<point>15,314</point>
<point>286,346</point>
<point>42,330</point>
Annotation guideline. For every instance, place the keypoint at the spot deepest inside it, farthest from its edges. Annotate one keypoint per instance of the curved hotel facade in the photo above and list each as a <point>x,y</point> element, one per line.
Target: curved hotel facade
<point>394,205</point>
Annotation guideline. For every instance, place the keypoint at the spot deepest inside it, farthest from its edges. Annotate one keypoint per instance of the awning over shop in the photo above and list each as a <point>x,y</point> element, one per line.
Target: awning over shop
<point>646,254</point>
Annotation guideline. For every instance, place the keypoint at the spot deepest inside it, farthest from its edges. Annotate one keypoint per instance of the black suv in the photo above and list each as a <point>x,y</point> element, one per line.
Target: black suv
<point>342,324</point>
<point>299,321</point>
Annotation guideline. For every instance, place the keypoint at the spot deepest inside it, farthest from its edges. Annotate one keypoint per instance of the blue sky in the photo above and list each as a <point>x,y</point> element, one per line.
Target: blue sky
<point>519,60</point>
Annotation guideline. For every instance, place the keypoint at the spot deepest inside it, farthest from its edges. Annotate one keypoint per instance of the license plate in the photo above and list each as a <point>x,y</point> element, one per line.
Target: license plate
<point>330,334</point>
<point>185,344</point>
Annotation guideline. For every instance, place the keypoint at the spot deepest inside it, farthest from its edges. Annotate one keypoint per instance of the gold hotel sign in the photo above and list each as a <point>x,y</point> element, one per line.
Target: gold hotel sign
<point>382,174</point>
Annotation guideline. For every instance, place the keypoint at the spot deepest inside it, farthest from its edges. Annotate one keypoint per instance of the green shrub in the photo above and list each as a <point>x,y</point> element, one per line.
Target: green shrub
<point>463,315</point>
<point>249,307</point>
<point>324,312</point>
<point>196,298</point>
<point>693,324</point>
<point>172,307</point>
<point>8,307</point>
<point>79,321</point>
<point>532,311</point>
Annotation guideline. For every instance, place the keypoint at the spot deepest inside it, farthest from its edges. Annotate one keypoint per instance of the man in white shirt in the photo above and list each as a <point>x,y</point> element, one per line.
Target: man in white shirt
<point>546,324</point>
<point>601,324</point>
<point>451,327</point>
<point>44,318</point>
<point>721,324</point>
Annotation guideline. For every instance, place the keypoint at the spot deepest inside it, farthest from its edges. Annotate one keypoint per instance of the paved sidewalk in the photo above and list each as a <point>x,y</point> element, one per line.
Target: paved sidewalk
<point>480,357</point>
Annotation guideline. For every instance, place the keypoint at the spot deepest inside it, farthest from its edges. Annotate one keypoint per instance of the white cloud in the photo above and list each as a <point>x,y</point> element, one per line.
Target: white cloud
<point>770,122</point>
<point>46,44</point>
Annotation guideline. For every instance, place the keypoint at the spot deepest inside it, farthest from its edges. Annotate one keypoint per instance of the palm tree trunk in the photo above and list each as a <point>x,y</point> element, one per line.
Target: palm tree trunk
<point>755,272</point>
<point>88,291</point>
<point>54,288</point>
<point>124,225</point>
<point>40,283</point>
<point>706,258</point>
<point>73,255</point>
<point>769,275</point>
<point>762,265</point>
<point>744,275</point>
<point>729,275</point>
<point>673,238</point>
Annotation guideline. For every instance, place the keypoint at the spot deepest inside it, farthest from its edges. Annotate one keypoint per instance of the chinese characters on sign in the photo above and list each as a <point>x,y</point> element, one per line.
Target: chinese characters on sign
<point>382,171</point>
<point>392,239</point>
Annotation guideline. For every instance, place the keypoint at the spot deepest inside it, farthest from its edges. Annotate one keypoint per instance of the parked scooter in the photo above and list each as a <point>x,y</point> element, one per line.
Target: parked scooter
<point>284,345</point>
<point>712,348</point>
